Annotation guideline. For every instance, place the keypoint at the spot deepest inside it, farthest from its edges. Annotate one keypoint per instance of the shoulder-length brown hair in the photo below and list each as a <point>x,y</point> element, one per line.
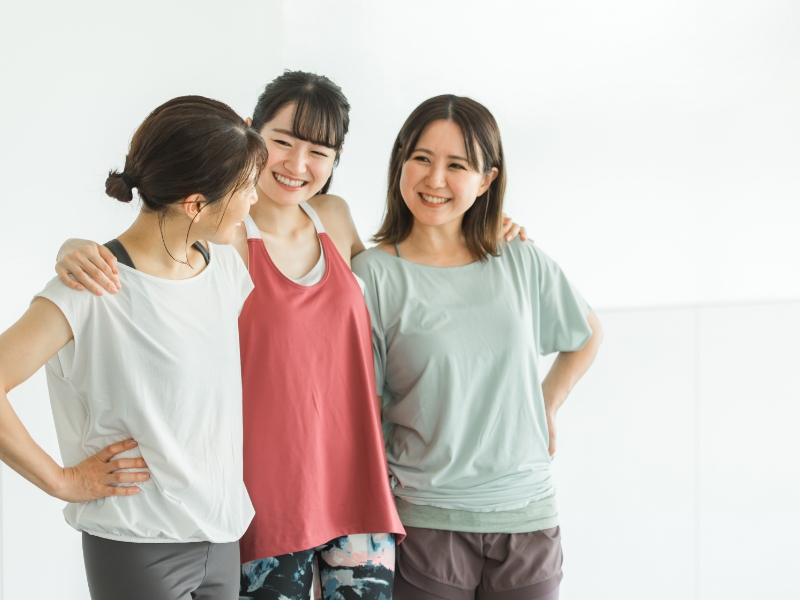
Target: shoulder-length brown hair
<point>481,224</point>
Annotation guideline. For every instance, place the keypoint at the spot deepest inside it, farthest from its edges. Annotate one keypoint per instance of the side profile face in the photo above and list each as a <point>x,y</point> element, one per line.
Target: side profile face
<point>296,169</point>
<point>226,216</point>
<point>437,183</point>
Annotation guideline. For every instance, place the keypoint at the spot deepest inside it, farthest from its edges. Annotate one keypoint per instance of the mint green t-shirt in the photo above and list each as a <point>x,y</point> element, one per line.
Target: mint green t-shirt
<point>456,352</point>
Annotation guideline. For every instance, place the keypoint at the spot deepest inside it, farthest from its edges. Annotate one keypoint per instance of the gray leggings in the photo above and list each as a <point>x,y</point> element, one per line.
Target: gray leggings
<point>130,571</point>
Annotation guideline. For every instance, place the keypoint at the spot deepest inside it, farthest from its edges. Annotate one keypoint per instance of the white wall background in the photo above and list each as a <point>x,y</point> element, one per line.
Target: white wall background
<point>653,151</point>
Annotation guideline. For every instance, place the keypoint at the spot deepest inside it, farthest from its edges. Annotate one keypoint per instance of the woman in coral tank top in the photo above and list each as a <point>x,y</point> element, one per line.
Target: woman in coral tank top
<point>314,457</point>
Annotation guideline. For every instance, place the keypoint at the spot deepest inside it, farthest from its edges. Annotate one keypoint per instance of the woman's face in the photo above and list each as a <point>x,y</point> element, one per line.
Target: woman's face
<point>296,169</point>
<point>228,214</point>
<point>436,182</point>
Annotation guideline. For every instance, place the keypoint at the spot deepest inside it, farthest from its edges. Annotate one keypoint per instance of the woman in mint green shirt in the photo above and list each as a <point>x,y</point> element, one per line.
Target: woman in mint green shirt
<point>459,321</point>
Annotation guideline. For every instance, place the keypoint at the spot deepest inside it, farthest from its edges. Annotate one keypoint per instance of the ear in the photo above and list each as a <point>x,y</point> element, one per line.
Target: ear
<point>249,121</point>
<point>488,178</point>
<point>193,205</point>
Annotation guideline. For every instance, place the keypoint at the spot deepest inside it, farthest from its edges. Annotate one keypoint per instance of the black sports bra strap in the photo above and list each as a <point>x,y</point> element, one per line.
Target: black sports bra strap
<point>202,250</point>
<point>118,250</point>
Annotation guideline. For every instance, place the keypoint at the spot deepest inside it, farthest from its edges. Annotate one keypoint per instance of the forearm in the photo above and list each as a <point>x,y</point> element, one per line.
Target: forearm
<point>20,452</point>
<point>569,367</point>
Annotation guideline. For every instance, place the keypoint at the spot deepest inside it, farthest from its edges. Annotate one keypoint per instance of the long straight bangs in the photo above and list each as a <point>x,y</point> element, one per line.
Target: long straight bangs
<point>321,111</point>
<point>482,221</point>
<point>318,120</point>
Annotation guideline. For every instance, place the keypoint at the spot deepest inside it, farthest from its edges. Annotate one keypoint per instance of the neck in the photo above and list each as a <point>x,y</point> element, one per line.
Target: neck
<point>151,243</point>
<point>277,219</point>
<point>438,245</point>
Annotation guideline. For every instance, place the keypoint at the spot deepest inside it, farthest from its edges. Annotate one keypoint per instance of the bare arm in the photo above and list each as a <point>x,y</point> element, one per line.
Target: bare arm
<point>566,371</point>
<point>24,348</point>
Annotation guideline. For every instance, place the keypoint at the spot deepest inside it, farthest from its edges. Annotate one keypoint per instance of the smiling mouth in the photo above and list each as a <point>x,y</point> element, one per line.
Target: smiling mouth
<point>434,199</point>
<point>295,183</point>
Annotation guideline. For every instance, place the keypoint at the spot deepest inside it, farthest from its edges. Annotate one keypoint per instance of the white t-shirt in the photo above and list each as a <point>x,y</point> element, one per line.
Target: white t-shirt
<point>158,362</point>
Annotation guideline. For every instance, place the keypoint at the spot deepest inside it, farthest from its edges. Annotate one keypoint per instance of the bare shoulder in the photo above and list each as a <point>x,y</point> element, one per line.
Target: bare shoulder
<point>335,215</point>
<point>331,208</point>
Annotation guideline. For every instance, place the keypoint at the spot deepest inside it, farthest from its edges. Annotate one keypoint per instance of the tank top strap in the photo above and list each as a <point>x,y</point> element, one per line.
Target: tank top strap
<point>312,214</point>
<point>252,229</point>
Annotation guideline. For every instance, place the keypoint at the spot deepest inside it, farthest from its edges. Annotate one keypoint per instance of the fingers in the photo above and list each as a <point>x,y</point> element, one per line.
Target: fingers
<point>93,267</point>
<point>523,235</point>
<point>507,226</point>
<point>67,279</point>
<point>127,490</point>
<point>513,232</point>
<point>74,269</point>
<point>110,261</point>
<point>95,274</point>
<point>125,463</point>
<point>114,449</point>
<point>126,478</point>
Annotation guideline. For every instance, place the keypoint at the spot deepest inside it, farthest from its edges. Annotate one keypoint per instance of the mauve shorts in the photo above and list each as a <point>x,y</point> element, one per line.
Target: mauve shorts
<point>433,564</point>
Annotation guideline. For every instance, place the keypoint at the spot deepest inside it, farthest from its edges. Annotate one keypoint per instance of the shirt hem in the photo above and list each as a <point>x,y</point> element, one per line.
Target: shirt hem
<point>510,521</point>
<point>143,540</point>
<point>398,532</point>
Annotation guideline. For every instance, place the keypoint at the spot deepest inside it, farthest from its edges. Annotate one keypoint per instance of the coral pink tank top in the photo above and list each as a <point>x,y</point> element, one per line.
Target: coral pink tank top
<point>314,459</point>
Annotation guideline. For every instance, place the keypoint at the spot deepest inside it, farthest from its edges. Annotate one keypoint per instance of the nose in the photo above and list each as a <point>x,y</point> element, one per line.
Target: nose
<point>436,177</point>
<point>295,163</point>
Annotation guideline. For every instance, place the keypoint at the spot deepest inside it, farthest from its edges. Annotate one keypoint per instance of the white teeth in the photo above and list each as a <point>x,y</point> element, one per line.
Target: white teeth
<point>434,199</point>
<point>289,182</point>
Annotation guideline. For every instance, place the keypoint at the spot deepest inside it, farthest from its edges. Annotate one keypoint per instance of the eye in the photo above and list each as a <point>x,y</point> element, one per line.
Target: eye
<point>458,166</point>
<point>421,158</point>
<point>319,153</point>
<point>282,143</point>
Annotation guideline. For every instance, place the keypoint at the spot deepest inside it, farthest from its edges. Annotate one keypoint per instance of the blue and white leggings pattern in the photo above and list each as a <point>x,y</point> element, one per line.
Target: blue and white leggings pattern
<point>352,567</point>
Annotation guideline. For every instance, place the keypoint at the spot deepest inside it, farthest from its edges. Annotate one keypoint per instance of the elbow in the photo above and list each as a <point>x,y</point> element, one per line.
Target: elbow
<point>597,330</point>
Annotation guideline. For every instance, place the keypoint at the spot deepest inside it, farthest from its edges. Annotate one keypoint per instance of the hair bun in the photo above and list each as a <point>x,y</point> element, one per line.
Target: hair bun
<point>117,188</point>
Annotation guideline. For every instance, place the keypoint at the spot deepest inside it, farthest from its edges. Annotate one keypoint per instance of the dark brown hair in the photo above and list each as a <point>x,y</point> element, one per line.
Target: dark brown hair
<point>321,111</point>
<point>189,145</point>
<point>481,224</point>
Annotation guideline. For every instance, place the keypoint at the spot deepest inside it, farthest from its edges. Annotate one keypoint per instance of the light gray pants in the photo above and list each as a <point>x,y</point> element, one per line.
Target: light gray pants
<point>130,571</point>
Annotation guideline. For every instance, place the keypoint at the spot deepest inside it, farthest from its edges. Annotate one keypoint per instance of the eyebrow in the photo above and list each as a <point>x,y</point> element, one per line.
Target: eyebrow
<point>285,132</point>
<point>294,135</point>
<point>449,156</point>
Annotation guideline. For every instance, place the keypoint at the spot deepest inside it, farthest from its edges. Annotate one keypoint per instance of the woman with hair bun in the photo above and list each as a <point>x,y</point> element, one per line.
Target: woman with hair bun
<point>459,319</point>
<point>145,384</point>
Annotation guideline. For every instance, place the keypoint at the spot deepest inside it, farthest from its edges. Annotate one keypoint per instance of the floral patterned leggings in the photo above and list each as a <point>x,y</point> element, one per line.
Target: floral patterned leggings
<point>352,567</point>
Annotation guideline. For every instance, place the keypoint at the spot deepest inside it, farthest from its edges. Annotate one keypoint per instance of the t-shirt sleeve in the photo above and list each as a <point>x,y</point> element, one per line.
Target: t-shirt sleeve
<point>562,324</point>
<point>75,305</point>
<point>370,288</point>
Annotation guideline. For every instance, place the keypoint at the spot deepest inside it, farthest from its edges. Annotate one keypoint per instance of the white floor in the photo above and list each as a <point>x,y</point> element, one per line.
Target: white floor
<point>677,466</point>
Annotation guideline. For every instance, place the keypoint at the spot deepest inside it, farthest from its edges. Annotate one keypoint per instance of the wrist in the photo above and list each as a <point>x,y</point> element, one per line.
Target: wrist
<point>55,482</point>
<point>553,399</point>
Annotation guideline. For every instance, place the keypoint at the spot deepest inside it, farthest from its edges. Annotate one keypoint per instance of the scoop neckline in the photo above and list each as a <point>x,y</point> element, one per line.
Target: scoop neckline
<point>408,262</point>
<point>200,275</point>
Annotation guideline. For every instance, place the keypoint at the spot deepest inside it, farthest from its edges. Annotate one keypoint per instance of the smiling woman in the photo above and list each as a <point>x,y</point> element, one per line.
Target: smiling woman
<point>471,162</point>
<point>458,322</point>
